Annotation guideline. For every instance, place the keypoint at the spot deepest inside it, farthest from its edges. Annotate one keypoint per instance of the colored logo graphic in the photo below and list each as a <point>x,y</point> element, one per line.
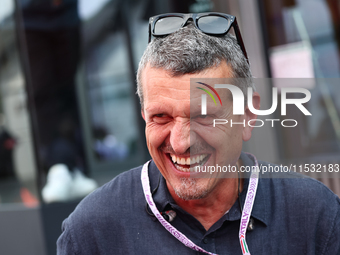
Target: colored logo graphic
<point>212,89</point>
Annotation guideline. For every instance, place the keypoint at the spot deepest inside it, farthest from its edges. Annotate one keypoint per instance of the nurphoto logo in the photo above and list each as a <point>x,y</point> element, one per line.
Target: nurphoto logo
<point>238,104</point>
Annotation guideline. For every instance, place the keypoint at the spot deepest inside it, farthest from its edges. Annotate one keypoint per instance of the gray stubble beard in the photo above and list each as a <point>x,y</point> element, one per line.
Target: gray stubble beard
<point>190,190</point>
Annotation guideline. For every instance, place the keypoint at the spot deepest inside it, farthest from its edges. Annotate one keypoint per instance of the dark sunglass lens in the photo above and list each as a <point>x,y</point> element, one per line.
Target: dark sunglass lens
<point>167,25</point>
<point>213,24</point>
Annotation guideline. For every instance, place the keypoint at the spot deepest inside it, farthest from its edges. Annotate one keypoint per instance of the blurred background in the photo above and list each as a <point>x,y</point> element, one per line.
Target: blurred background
<point>70,120</point>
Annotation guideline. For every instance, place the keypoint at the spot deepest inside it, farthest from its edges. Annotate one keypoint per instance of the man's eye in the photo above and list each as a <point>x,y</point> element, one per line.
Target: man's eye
<point>203,119</point>
<point>161,118</point>
<point>200,117</point>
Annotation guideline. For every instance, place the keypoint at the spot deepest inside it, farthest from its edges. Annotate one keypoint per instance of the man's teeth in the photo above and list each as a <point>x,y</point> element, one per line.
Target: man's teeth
<point>188,161</point>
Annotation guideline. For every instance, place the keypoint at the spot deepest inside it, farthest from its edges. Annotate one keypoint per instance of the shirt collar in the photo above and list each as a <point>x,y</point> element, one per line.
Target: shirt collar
<point>162,197</point>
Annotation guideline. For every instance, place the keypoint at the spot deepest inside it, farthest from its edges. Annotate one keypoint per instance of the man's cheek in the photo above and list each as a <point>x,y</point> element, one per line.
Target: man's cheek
<point>155,137</point>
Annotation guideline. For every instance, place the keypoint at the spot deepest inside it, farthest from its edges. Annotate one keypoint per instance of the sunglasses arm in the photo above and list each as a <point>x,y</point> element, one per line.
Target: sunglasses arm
<point>239,39</point>
<point>149,33</point>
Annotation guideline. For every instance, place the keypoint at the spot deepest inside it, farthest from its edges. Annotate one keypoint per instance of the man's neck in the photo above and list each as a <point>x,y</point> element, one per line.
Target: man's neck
<point>211,208</point>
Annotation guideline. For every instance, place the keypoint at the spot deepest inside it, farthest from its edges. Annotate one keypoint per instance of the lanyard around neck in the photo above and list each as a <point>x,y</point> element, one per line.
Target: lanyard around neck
<point>246,212</point>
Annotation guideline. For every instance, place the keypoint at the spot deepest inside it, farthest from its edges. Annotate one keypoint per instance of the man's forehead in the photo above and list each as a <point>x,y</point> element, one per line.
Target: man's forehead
<point>156,80</point>
<point>150,74</point>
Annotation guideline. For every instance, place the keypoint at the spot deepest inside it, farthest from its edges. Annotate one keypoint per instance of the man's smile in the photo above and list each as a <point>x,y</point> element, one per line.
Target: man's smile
<point>189,164</point>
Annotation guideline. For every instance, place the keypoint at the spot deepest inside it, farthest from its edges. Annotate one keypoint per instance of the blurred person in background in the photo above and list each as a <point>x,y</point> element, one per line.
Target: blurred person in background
<point>107,146</point>
<point>7,145</point>
<point>52,32</point>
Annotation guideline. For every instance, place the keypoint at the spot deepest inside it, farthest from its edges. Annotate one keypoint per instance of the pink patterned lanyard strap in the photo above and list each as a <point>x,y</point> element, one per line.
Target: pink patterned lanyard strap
<point>248,206</point>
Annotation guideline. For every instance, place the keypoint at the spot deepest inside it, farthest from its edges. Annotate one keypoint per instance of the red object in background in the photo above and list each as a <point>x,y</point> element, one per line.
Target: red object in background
<point>56,3</point>
<point>9,144</point>
<point>28,198</point>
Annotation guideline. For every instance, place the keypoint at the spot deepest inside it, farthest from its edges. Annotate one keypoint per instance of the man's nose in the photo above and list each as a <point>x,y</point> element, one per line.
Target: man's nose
<point>180,136</point>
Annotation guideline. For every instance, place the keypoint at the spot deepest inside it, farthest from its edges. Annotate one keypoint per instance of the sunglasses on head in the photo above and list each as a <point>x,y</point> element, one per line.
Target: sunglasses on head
<point>211,23</point>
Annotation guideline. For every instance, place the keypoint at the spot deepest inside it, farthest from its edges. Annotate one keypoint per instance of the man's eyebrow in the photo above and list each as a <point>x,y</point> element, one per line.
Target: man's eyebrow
<point>156,109</point>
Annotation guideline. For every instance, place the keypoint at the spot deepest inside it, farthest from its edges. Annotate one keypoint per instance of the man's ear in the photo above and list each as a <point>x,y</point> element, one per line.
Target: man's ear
<point>246,135</point>
<point>142,112</point>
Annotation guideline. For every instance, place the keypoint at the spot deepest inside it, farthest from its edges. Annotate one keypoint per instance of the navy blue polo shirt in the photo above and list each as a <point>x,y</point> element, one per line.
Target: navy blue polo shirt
<point>290,216</point>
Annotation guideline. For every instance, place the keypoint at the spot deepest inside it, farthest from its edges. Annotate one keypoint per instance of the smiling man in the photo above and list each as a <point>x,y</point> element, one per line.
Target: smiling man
<point>180,139</point>
<point>168,206</point>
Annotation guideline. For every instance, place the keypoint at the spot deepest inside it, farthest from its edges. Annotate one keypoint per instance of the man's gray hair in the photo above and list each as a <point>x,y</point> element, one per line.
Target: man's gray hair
<point>191,51</point>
